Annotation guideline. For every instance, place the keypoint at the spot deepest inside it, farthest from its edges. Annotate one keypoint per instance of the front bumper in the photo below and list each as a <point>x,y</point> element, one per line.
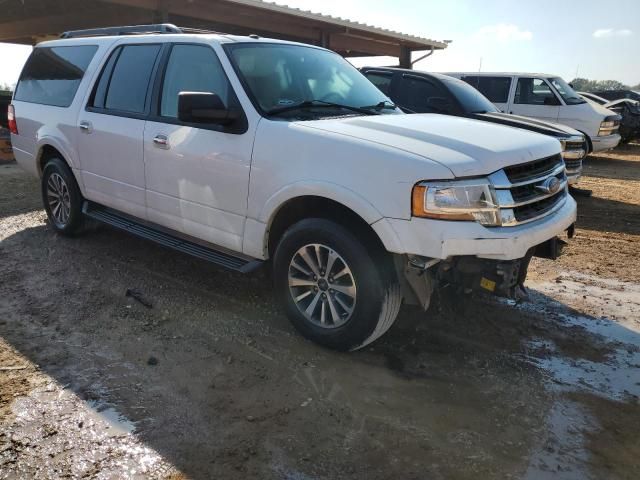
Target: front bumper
<point>602,144</point>
<point>439,239</point>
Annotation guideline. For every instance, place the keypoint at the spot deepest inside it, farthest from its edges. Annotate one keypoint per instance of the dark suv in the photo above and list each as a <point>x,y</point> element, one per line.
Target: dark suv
<point>618,94</point>
<point>421,92</point>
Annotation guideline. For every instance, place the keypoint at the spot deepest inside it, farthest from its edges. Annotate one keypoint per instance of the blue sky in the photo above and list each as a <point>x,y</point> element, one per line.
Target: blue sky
<point>597,39</point>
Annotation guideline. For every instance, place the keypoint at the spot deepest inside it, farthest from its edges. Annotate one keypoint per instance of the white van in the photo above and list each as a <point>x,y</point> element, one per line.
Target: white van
<point>550,98</point>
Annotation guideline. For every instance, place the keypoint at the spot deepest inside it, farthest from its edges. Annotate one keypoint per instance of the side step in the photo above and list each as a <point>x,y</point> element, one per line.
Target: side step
<point>122,222</point>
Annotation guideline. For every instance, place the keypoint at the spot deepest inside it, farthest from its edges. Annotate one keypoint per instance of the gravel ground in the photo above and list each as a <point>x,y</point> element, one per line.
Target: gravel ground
<point>212,381</point>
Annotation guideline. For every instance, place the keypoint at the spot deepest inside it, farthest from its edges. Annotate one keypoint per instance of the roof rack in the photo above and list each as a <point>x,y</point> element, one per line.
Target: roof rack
<point>129,30</point>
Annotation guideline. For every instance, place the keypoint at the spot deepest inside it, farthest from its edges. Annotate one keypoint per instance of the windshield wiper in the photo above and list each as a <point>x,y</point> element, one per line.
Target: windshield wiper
<point>381,106</point>
<point>316,104</point>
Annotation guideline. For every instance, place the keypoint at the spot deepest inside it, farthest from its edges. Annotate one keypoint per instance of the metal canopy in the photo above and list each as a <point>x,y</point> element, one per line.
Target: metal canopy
<point>29,21</point>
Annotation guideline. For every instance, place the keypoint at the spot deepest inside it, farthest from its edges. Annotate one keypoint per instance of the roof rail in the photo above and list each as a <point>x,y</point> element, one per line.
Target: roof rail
<point>127,30</point>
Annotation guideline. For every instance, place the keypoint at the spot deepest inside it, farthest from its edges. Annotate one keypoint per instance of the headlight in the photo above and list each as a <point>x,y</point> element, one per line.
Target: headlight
<point>609,125</point>
<point>466,200</point>
<point>573,150</point>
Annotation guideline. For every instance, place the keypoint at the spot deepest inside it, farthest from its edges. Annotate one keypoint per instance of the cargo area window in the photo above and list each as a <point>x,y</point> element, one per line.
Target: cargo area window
<point>52,75</point>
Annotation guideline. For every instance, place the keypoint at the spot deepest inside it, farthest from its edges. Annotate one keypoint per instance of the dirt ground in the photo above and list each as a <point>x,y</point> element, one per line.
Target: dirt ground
<point>212,381</point>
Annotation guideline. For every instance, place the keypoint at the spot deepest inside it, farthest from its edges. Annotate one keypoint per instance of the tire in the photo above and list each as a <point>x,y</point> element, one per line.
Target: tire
<point>62,198</point>
<point>358,307</point>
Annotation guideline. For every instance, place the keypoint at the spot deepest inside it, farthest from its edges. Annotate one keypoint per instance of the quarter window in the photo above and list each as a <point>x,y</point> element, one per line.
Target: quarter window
<point>124,82</point>
<point>193,68</point>
<point>52,75</point>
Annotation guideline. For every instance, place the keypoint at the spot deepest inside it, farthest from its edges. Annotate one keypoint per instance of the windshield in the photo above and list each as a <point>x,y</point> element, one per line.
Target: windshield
<point>472,100</point>
<point>280,76</point>
<point>567,93</point>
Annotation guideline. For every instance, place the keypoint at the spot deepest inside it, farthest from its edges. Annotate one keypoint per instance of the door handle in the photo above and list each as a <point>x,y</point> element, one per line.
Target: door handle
<point>161,141</point>
<point>86,127</point>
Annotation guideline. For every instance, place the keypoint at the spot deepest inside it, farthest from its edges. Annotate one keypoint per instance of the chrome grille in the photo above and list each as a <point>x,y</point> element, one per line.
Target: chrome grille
<point>520,190</point>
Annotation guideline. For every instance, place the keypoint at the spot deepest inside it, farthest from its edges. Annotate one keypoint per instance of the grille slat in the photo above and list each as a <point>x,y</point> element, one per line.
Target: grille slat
<point>521,191</point>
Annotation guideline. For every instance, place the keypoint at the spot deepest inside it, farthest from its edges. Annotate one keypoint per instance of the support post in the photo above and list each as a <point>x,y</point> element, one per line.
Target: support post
<point>405,57</point>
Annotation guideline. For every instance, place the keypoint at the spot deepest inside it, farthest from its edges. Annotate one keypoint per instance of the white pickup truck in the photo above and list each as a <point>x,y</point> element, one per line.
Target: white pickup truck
<point>243,150</point>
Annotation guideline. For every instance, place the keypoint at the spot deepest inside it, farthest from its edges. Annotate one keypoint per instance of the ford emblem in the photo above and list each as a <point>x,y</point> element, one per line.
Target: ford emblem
<point>550,186</point>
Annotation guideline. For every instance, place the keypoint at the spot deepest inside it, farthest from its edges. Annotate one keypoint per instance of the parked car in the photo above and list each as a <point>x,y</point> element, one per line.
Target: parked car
<point>619,94</point>
<point>421,92</point>
<point>6,153</point>
<point>245,150</point>
<point>550,98</point>
<point>628,109</point>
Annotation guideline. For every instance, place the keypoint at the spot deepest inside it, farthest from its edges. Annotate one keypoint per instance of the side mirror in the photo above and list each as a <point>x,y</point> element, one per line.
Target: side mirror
<point>439,104</point>
<point>204,107</point>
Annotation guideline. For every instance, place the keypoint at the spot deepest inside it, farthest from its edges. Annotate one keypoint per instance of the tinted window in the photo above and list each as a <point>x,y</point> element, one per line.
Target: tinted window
<point>380,80</point>
<point>52,75</point>
<point>423,96</point>
<point>495,89</point>
<point>567,93</point>
<point>125,79</point>
<point>534,91</point>
<point>193,68</point>
<point>471,100</point>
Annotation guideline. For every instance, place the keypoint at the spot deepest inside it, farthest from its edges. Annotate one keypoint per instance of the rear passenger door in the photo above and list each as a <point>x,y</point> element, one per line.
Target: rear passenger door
<point>110,143</point>
<point>535,98</point>
<point>197,175</point>
<point>495,88</point>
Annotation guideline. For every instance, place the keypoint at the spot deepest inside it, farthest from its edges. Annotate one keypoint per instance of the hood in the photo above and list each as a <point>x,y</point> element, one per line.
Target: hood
<point>601,109</point>
<point>466,147</point>
<point>528,123</point>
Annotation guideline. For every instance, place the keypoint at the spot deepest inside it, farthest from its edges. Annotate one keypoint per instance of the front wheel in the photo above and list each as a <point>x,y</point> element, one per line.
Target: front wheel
<point>334,291</point>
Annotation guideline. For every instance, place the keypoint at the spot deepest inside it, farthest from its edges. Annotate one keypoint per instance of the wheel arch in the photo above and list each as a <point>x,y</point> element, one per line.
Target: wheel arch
<point>301,207</point>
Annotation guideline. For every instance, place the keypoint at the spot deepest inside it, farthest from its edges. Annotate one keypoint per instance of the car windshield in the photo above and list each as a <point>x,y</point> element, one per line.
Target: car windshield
<point>567,93</point>
<point>472,100</point>
<point>280,77</point>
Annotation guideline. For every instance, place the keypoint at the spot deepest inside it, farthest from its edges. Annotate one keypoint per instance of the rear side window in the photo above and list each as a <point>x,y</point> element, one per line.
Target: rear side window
<point>52,75</point>
<point>495,89</point>
<point>124,81</point>
<point>380,80</point>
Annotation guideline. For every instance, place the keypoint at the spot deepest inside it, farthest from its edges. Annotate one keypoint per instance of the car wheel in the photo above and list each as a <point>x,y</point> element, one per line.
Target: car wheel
<point>334,290</point>
<point>62,198</point>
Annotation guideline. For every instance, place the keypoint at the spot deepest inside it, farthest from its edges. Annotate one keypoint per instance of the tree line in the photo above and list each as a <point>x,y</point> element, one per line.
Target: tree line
<point>586,85</point>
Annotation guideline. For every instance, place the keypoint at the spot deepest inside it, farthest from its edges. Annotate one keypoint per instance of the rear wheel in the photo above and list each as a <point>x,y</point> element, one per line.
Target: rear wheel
<point>62,198</point>
<point>334,290</point>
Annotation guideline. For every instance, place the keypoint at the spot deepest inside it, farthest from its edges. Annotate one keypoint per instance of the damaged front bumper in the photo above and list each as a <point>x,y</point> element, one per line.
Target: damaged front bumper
<point>505,278</point>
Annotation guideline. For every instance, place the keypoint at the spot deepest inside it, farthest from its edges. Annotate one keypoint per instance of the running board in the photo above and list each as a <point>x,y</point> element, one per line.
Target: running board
<point>122,222</point>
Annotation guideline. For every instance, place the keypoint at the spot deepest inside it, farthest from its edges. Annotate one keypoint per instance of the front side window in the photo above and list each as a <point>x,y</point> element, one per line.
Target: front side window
<point>567,93</point>
<point>534,91</point>
<point>471,100</point>
<point>278,76</point>
<point>422,96</point>
<point>124,81</point>
<point>52,75</point>
<point>193,68</point>
<point>496,89</point>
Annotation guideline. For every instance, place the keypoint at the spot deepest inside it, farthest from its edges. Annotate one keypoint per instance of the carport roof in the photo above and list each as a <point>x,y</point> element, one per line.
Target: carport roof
<point>28,21</point>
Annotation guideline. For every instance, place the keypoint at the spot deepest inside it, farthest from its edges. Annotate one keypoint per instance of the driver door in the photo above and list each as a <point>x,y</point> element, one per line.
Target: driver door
<point>535,98</point>
<point>197,176</point>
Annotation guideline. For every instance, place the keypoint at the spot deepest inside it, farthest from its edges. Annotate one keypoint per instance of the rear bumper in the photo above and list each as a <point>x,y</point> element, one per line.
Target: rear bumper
<point>602,144</point>
<point>440,239</point>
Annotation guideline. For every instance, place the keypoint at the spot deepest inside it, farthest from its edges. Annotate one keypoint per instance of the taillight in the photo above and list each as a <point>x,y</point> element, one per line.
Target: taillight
<point>11,116</point>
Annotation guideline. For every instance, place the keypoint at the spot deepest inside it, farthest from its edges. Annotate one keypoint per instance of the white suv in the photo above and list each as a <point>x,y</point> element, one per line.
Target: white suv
<point>242,150</point>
